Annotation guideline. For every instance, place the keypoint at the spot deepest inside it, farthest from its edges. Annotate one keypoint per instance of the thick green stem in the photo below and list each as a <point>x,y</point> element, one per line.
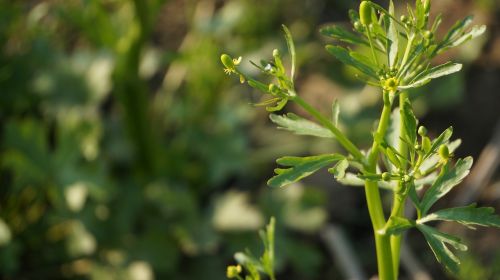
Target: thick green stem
<point>382,241</point>
<point>399,199</point>
<point>343,140</point>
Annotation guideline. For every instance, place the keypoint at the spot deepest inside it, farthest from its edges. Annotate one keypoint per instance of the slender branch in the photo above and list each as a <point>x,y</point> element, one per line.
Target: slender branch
<point>343,140</point>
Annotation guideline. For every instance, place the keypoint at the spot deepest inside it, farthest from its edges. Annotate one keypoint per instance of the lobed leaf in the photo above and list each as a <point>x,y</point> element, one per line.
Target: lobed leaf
<point>466,215</point>
<point>300,167</point>
<point>447,179</point>
<point>345,57</point>
<point>300,126</point>
<point>438,242</point>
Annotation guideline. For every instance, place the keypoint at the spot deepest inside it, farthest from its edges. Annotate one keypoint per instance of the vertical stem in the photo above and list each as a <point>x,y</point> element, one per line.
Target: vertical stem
<point>382,241</point>
<point>398,200</point>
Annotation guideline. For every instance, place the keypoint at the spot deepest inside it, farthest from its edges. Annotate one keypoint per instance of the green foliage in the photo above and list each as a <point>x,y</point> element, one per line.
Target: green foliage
<point>300,126</point>
<point>299,168</point>
<point>253,266</point>
<point>438,242</point>
<point>402,50</point>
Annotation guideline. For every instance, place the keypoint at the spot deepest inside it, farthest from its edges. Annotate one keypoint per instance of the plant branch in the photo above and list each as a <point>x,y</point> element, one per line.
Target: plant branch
<point>343,140</point>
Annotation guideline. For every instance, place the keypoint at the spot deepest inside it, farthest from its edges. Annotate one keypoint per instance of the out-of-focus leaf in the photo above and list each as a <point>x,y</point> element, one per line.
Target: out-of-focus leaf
<point>335,112</point>
<point>438,242</point>
<point>299,125</point>
<point>466,215</point>
<point>300,167</point>
<point>447,179</point>
<point>341,34</point>
<point>345,57</point>
<point>291,49</point>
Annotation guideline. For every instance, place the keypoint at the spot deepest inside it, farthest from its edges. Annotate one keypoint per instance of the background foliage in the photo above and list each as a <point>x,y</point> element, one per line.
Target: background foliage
<point>125,153</point>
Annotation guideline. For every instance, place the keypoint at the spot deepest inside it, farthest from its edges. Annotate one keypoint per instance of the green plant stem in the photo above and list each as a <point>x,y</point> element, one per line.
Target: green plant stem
<point>399,199</point>
<point>343,140</point>
<point>374,202</point>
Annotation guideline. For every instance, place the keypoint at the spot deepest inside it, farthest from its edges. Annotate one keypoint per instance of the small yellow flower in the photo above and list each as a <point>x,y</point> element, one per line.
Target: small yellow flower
<point>233,271</point>
<point>390,84</point>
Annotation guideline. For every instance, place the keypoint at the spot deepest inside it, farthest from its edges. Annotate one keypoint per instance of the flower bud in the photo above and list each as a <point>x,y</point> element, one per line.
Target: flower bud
<point>359,26</point>
<point>365,12</point>
<point>233,271</point>
<point>444,152</point>
<point>428,35</point>
<point>227,61</point>
<point>386,176</point>
<point>422,131</point>
<point>276,53</point>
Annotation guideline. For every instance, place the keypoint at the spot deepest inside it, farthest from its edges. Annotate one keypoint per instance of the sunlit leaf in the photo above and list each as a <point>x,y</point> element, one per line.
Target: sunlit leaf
<point>299,125</point>
<point>300,167</point>
<point>438,242</point>
<point>467,215</point>
<point>447,179</point>
<point>433,73</point>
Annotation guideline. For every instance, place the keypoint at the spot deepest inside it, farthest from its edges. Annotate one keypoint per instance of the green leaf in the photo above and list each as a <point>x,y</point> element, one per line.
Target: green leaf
<point>279,105</point>
<point>300,167</point>
<point>433,73</point>
<point>457,29</point>
<point>291,49</point>
<point>300,126</point>
<point>438,242</point>
<point>393,36</point>
<point>410,123</point>
<point>341,34</point>
<point>335,112</point>
<point>258,85</point>
<point>397,225</point>
<point>345,57</point>
<point>441,139</point>
<point>431,161</point>
<point>467,215</point>
<point>339,169</point>
<point>447,179</point>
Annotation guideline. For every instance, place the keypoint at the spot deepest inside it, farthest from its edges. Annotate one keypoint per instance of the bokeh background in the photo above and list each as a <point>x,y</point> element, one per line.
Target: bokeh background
<point>126,153</point>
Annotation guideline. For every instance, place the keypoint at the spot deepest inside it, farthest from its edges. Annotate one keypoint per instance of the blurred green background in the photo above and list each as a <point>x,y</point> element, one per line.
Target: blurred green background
<point>126,153</point>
